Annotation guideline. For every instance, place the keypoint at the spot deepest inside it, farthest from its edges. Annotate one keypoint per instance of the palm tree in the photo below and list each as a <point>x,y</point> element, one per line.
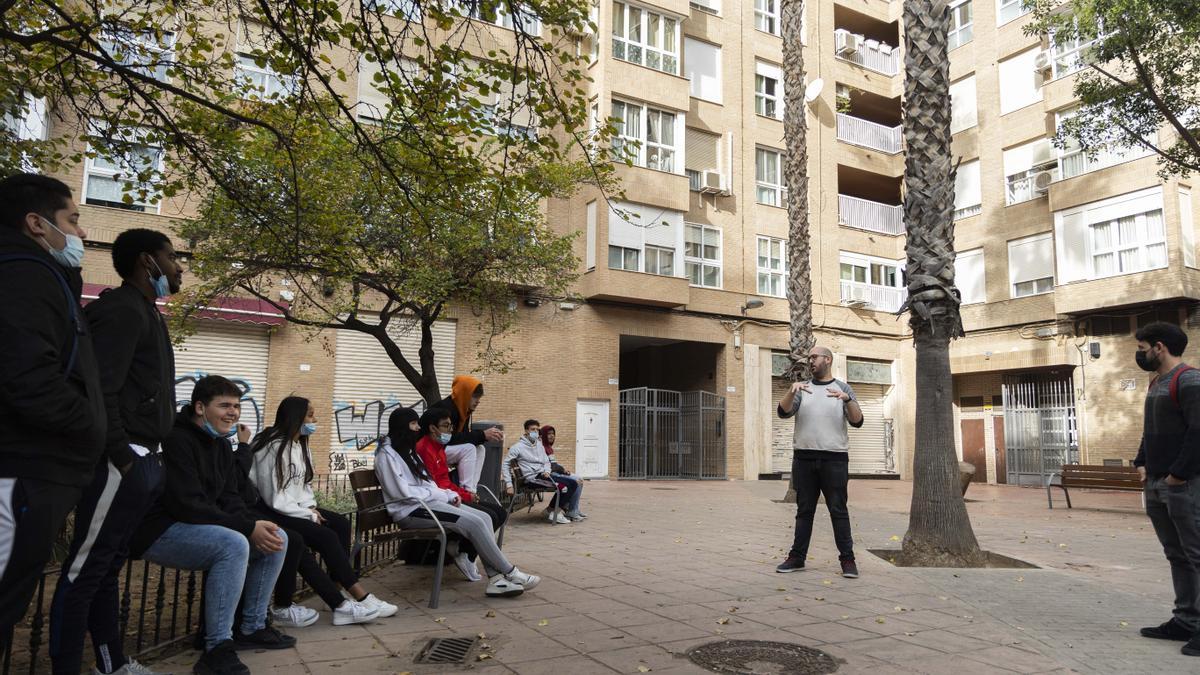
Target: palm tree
<point>939,530</point>
<point>795,173</point>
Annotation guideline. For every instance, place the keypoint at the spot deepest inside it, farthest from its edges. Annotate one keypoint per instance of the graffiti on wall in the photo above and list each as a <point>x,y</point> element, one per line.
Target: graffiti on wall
<point>252,415</point>
<point>358,427</point>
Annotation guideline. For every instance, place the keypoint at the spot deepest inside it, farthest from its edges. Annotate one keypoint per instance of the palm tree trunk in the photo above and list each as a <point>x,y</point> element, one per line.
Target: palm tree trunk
<point>939,530</point>
<point>795,172</point>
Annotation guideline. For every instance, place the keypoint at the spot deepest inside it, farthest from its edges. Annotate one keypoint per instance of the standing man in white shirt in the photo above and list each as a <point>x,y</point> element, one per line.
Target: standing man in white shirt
<point>822,408</point>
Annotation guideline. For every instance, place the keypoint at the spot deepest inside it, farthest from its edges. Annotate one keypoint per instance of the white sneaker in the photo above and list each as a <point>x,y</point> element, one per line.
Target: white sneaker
<point>295,616</point>
<point>131,667</point>
<point>500,586</point>
<point>527,581</point>
<point>353,612</point>
<point>467,567</point>
<point>558,517</point>
<point>575,517</point>
<point>385,609</point>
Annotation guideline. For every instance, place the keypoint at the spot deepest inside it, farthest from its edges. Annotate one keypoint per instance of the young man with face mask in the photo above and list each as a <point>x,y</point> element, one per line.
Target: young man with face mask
<point>533,461</point>
<point>201,522</point>
<point>1169,463</point>
<point>52,418</point>
<point>137,371</point>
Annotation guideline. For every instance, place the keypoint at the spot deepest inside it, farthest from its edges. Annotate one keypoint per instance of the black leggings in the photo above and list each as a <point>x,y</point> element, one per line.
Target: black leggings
<point>331,540</point>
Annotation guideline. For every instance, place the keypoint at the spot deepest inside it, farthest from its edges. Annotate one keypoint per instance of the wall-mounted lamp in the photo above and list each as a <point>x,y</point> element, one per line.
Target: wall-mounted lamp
<point>1094,349</point>
<point>752,303</point>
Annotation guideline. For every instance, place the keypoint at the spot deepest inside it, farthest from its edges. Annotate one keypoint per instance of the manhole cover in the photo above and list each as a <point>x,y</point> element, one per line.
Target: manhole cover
<point>447,650</point>
<point>759,657</point>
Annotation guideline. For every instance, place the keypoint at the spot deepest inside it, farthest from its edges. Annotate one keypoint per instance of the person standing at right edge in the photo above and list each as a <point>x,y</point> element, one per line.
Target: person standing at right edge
<point>52,421</point>
<point>1169,463</point>
<point>821,457</point>
<point>137,371</point>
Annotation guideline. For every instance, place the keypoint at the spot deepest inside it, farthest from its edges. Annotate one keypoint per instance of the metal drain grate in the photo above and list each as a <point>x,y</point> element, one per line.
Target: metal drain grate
<point>447,650</point>
<point>759,657</point>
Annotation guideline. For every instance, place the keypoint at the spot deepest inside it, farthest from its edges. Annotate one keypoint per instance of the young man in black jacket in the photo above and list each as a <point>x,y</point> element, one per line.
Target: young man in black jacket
<point>201,522</point>
<point>137,372</point>
<point>52,420</point>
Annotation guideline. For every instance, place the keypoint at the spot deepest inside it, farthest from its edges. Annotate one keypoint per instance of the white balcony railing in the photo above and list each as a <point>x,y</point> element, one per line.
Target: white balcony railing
<point>1077,163</point>
<point>968,211</point>
<point>874,55</point>
<point>1019,188</point>
<point>882,298</point>
<point>865,214</point>
<point>869,134</point>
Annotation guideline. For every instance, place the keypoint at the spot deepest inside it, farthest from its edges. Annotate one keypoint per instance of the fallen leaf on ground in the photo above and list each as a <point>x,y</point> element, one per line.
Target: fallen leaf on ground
<point>483,657</point>
<point>491,614</point>
<point>643,669</point>
<point>879,619</point>
<point>440,619</point>
<point>895,538</point>
<point>819,597</point>
<point>1124,623</point>
<point>544,622</point>
<point>723,621</point>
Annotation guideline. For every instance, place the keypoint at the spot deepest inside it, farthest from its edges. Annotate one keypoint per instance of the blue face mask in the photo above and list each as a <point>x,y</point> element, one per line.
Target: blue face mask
<point>308,429</point>
<point>212,431</point>
<point>161,284</point>
<point>71,256</point>
<point>444,438</point>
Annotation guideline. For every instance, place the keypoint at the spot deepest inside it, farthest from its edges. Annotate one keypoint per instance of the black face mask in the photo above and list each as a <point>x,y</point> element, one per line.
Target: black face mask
<point>1146,362</point>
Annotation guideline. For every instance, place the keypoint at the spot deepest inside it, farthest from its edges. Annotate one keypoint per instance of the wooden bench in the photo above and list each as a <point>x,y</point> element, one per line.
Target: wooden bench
<point>374,525</point>
<point>1122,478</point>
<point>529,492</point>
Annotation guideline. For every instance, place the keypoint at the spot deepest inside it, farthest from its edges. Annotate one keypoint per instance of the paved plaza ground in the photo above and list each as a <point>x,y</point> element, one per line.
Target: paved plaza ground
<point>660,567</point>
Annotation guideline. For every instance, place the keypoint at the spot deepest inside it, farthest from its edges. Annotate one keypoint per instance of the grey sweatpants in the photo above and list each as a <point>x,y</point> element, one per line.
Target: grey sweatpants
<point>473,525</point>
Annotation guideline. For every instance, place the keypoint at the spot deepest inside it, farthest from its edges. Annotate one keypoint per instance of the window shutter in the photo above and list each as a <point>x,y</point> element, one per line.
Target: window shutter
<point>1071,247</point>
<point>626,233</point>
<point>1020,81</point>
<point>702,63</point>
<point>1031,258</point>
<point>1019,159</point>
<point>968,275</point>
<point>1188,228</point>
<point>665,230</point>
<point>967,190</point>
<point>590,250</point>
<point>701,150</point>
<point>964,112</point>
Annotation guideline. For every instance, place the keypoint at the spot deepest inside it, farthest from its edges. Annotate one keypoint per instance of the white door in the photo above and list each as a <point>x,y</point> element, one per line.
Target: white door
<point>591,439</point>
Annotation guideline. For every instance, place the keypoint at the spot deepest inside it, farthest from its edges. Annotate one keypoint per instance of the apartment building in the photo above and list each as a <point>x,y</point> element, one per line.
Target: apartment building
<point>667,361</point>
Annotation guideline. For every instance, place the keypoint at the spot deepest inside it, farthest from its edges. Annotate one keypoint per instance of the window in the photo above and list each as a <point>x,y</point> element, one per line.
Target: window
<point>1020,81</point>
<point>1031,265</point>
<point>766,16</point>
<point>968,276</point>
<point>589,255</point>
<point>142,51</point>
<point>1071,55</point>
<point>1187,228</point>
<point>408,9</point>
<point>621,258</point>
<point>707,6</point>
<point>1011,9</point>
<point>498,15</point>
<point>702,255</point>
<point>961,21</point>
<point>772,267</point>
<point>768,90</point>
<point>768,177</point>
<point>1021,164</point>
<point>1074,162</point>
<point>964,112</point>
<point>115,164</point>
<point>872,372</point>
<point>645,135</point>
<point>645,38</point>
<point>660,260</point>
<point>701,154</point>
<point>876,283</point>
<point>375,90</point>
<point>703,65</point>
<point>968,195</point>
<point>1133,243</point>
<point>259,81</point>
<point>507,110</point>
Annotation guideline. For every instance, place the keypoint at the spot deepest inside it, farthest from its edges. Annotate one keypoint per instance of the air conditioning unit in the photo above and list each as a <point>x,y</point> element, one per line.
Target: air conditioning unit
<point>1043,155</point>
<point>1042,62</point>
<point>1042,181</point>
<point>846,42</point>
<point>857,296</point>
<point>712,182</point>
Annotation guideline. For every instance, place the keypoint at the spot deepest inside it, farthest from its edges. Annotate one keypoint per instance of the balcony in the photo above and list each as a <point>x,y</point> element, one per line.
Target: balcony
<point>864,214</point>
<point>1019,188</point>
<point>1078,163</point>
<point>868,134</point>
<point>866,52</point>
<point>603,283</point>
<point>869,296</point>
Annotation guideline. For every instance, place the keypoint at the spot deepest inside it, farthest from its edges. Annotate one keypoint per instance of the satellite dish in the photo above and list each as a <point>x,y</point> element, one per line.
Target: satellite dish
<point>813,90</point>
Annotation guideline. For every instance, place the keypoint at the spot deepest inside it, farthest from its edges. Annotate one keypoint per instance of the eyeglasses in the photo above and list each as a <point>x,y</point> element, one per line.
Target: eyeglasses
<point>446,425</point>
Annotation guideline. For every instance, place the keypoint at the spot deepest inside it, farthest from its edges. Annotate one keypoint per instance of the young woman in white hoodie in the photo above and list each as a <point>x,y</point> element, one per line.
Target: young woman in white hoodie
<point>283,472</point>
<point>411,494</point>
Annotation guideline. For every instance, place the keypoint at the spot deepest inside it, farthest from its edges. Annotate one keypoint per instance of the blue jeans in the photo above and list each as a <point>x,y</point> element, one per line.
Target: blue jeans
<point>571,489</point>
<point>234,569</point>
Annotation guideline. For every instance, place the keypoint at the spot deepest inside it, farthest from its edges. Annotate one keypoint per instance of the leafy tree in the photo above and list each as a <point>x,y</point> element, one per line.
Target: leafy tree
<point>939,529</point>
<point>1140,73</point>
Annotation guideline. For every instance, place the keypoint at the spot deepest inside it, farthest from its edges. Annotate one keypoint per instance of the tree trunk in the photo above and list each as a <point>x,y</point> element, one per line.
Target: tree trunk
<point>795,172</point>
<point>939,530</point>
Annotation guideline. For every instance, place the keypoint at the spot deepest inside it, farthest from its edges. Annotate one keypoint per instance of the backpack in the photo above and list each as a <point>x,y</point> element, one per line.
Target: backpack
<point>72,305</point>
<point>1173,388</point>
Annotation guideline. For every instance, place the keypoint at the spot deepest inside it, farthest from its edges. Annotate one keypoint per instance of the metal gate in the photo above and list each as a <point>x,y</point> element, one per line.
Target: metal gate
<point>671,435</point>
<point>1040,432</point>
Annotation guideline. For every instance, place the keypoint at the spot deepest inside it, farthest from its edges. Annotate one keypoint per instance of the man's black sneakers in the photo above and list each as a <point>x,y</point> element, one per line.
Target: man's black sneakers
<point>792,564</point>
<point>849,569</point>
<point>220,660</point>
<point>1171,630</point>
<point>1192,648</point>
<point>264,638</point>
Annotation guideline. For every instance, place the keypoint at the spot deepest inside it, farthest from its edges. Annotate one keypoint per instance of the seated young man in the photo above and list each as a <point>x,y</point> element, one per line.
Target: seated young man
<point>465,447</point>
<point>533,461</point>
<point>201,522</point>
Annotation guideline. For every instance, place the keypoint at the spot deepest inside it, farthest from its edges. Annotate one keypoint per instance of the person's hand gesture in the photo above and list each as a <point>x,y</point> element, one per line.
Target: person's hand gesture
<point>834,392</point>
<point>493,435</point>
<point>243,433</point>
<point>798,387</point>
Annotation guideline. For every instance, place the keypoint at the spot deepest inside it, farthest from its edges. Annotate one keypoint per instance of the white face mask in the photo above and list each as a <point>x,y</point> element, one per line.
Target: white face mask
<point>533,437</point>
<point>71,254</point>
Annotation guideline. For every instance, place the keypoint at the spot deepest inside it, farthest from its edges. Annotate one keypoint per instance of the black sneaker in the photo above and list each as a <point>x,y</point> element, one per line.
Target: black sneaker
<point>792,564</point>
<point>1171,630</point>
<point>264,638</point>
<point>849,569</point>
<point>1192,648</point>
<point>220,660</point>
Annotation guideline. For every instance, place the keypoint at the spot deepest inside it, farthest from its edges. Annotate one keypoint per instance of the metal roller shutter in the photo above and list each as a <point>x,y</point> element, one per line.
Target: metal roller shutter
<point>781,429</point>
<point>367,386</point>
<point>868,444</point>
<point>236,351</point>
